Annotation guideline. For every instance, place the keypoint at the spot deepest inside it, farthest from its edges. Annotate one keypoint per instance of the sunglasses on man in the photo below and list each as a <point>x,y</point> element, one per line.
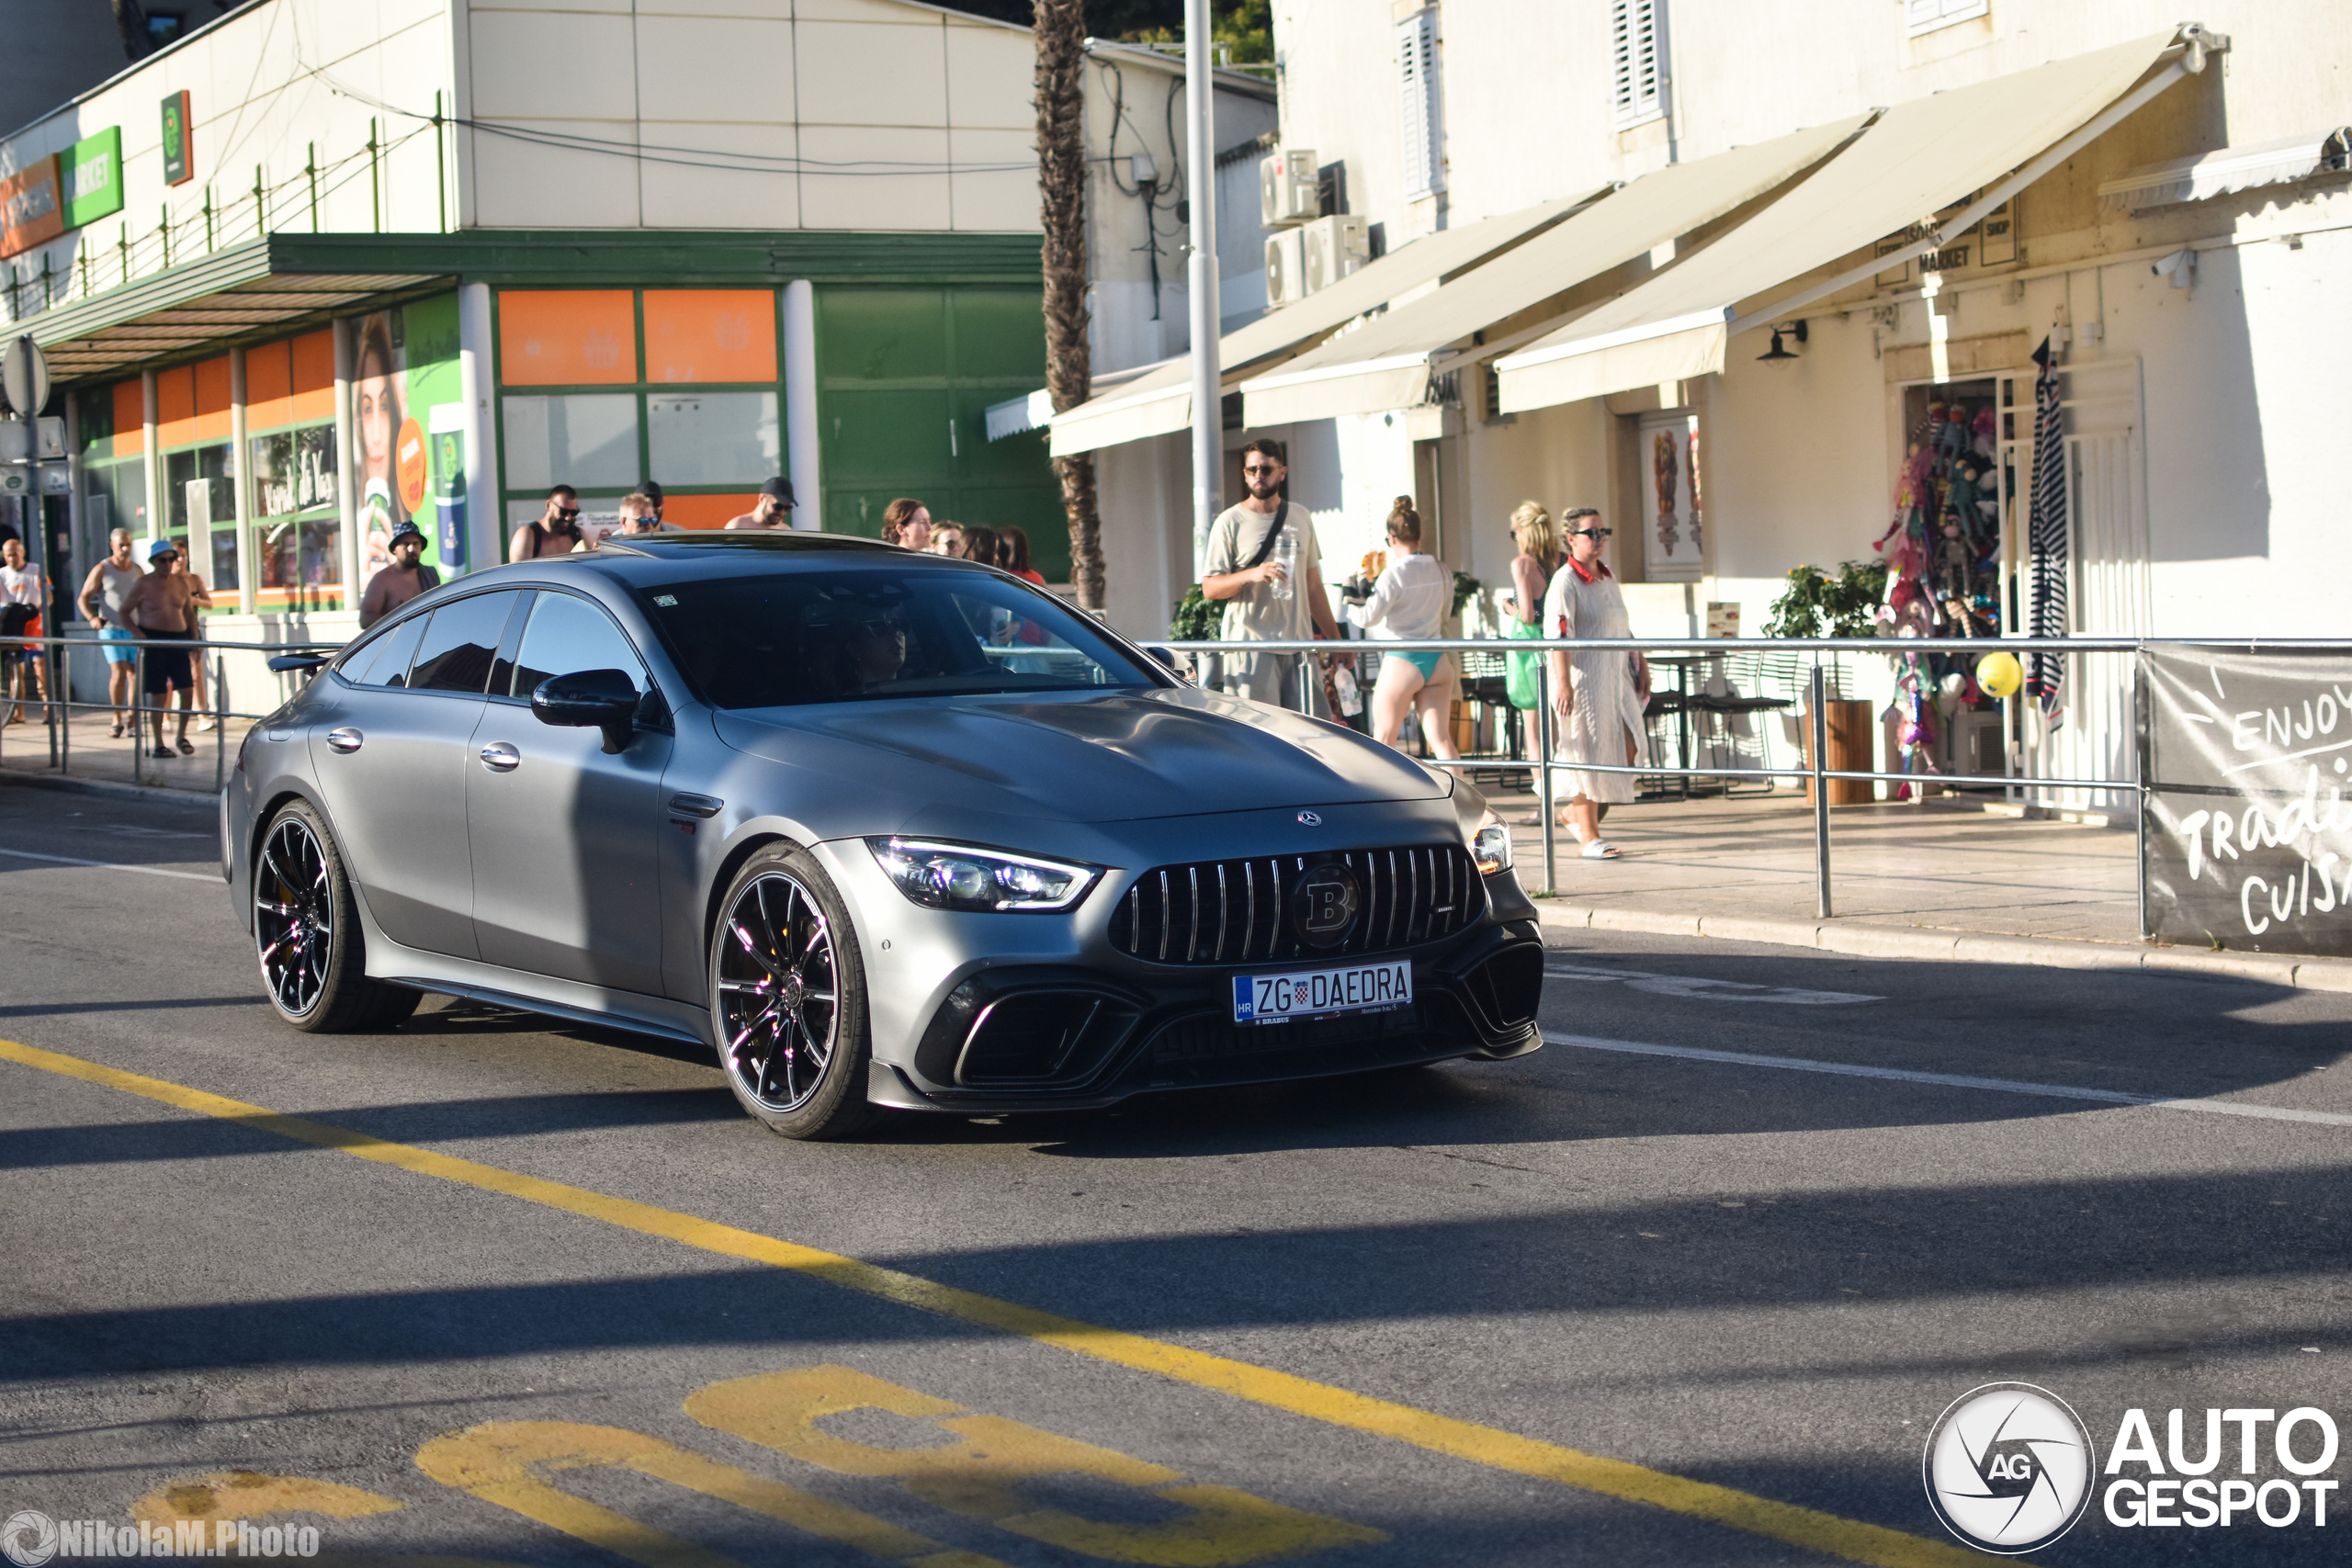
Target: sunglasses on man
<point>567,513</point>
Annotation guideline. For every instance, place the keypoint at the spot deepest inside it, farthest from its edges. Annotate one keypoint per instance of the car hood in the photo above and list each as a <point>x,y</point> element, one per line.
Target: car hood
<point>1084,757</point>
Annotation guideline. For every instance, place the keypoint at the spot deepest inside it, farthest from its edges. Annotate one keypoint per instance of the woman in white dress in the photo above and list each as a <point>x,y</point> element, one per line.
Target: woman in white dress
<point>1596,694</point>
<point>1409,604</point>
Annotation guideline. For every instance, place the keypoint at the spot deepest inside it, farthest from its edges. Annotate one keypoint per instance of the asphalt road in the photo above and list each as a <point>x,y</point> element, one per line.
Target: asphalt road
<point>548,1298</point>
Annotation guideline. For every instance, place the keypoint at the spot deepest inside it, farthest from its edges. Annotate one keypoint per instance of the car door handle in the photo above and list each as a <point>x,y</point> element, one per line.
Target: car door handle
<point>346,740</point>
<point>699,806</point>
<point>501,757</point>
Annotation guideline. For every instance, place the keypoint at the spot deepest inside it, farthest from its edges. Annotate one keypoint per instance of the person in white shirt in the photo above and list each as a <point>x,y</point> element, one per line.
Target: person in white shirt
<point>1408,604</point>
<point>21,594</point>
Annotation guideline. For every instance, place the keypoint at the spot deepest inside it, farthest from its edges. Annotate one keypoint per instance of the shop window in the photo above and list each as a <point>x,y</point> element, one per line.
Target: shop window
<point>297,526</point>
<point>1927,16</point>
<point>197,496</point>
<point>584,439</point>
<point>711,438</point>
<point>1637,62</point>
<point>572,337</point>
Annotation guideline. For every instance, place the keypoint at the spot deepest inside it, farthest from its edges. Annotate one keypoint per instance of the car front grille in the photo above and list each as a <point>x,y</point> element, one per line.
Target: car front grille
<point>1240,911</point>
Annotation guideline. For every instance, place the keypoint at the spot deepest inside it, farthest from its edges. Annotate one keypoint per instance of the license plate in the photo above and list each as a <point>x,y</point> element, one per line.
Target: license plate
<point>1318,993</point>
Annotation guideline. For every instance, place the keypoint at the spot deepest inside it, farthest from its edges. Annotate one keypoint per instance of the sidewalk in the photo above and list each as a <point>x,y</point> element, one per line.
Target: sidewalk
<point>1942,879</point>
<point>25,752</point>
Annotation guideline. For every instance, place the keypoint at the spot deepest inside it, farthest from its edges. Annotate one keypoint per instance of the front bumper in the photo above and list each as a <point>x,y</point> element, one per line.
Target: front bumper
<point>1043,1036</point>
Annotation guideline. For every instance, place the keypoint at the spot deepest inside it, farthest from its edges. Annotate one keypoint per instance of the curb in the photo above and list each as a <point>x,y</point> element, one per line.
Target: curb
<point>203,800</point>
<point>1913,941</point>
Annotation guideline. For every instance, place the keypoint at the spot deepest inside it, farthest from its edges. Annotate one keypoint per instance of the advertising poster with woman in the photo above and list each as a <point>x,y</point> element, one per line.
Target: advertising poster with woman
<point>405,386</point>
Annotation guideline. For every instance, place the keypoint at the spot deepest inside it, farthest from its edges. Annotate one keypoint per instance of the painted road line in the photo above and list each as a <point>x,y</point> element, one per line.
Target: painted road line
<point>1955,1081</point>
<point>1705,989</point>
<point>1808,1528</point>
<point>115,865</point>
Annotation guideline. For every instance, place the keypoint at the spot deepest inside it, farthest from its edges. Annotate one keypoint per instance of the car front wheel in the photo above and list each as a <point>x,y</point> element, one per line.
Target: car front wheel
<point>788,998</point>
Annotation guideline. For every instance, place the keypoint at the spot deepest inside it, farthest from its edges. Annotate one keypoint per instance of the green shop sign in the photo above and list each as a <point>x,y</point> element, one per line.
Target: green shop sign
<point>180,157</point>
<point>91,172</point>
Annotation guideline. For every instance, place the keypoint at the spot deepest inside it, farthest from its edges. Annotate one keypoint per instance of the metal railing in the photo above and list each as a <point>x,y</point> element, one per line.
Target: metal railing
<point>1543,765</point>
<point>58,704</point>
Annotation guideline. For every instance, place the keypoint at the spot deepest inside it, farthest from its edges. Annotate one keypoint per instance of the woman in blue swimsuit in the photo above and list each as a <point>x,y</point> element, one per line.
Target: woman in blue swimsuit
<point>1409,604</point>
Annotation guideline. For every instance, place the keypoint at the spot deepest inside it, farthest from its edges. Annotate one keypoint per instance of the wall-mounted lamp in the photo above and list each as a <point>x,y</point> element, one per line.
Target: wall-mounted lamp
<point>1777,354</point>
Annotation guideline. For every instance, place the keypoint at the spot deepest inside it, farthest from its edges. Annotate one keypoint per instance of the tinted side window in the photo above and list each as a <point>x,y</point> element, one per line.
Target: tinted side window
<point>384,661</point>
<point>459,643</point>
<point>568,635</point>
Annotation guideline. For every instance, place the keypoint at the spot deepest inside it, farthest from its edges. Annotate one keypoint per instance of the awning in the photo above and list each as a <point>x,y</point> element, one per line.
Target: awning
<point>1920,158</point>
<point>1161,401</point>
<point>1387,362</point>
<point>2231,169</point>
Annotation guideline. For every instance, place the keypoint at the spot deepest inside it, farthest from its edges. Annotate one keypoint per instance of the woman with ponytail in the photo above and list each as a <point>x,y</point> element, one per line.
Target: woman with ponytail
<point>1409,604</point>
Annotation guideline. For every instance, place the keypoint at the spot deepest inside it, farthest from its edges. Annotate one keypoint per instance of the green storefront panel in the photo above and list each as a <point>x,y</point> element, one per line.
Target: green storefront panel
<point>1000,336</point>
<point>885,335</point>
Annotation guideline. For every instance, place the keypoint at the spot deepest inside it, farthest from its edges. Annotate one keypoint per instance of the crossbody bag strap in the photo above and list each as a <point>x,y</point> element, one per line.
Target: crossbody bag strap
<point>1266,544</point>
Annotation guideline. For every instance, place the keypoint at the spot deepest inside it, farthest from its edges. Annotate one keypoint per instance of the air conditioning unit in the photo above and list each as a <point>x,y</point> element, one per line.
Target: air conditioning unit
<point>1285,268</point>
<point>1287,192</point>
<point>1332,248</point>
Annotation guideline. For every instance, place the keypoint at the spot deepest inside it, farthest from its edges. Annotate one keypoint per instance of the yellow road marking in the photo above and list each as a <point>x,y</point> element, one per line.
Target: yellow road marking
<point>1808,1528</point>
<point>508,1463</point>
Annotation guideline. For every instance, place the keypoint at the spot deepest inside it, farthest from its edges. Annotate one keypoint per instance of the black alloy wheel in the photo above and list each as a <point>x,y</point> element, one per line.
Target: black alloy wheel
<point>788,999</point>
<point>306,930</point>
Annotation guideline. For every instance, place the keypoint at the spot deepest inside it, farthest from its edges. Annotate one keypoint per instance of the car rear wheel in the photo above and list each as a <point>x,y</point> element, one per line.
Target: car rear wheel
<point>306,930</point>
<point>788,998</point>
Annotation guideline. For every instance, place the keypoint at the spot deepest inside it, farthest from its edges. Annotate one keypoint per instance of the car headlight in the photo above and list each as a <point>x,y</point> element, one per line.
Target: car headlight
<point>1491,846</point>
<point>958,876</point>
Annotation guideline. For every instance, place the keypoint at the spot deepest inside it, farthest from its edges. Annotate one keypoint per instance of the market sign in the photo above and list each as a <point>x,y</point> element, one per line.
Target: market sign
<point>92,172</point>
<point>179,150</point>
<point>30,211</point>
<point>2249,840</point>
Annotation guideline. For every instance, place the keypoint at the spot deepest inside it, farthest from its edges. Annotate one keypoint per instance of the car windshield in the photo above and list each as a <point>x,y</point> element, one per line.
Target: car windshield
<point>784,639</point>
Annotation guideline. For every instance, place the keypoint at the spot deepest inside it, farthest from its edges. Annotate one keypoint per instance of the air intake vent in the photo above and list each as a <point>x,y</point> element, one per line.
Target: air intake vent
<point>1248,911</point>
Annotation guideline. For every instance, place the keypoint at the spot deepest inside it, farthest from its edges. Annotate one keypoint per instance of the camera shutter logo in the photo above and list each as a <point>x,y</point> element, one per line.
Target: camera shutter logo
<point>28,1539</point>
<point>2009,1468</point>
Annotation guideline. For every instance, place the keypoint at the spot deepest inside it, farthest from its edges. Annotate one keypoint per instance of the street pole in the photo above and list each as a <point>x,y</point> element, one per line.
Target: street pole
<point>1200,177</point>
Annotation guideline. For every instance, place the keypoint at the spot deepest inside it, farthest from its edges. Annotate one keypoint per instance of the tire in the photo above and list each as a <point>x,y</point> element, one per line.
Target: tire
<point>306,932</point>
<point>788,998</point>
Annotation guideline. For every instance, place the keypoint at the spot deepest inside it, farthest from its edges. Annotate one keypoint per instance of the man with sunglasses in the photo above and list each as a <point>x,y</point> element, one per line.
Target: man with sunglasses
<point>403,581</point>
<point>1263,564</point>
<point>555,533</point>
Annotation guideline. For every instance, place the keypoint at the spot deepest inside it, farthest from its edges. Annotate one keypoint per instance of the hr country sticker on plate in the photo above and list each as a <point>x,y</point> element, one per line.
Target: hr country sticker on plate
<point>1317,993</point>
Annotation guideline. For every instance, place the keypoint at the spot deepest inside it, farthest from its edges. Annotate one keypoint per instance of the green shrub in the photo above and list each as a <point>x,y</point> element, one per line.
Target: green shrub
<point>1844,603</point>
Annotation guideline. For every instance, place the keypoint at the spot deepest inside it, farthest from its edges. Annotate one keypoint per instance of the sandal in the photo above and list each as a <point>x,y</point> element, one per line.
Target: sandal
<point>161,753</point>
<point>1601,848</point>
<point>116,733</point>
<point>187,748</point>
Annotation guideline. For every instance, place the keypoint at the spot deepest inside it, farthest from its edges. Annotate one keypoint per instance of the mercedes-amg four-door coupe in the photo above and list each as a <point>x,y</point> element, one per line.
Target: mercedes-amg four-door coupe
<point>886,831</point>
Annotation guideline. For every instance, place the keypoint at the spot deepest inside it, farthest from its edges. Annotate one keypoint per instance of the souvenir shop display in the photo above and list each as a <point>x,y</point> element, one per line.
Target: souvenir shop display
<point>1941,549</point>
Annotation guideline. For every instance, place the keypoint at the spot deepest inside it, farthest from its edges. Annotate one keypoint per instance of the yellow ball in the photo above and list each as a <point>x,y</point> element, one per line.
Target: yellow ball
<point>1999,675</point>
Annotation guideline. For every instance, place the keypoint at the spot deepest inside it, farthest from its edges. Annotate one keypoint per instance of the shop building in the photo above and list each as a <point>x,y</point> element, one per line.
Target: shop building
<point>1597,215</point>
<point>317,268</point>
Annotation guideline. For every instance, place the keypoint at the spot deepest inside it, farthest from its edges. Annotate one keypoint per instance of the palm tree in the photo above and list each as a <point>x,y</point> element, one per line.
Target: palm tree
<point>1061,184</point>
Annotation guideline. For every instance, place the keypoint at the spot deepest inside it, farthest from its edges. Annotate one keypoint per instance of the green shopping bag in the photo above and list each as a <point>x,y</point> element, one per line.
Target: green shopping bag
<point>1520,676</point>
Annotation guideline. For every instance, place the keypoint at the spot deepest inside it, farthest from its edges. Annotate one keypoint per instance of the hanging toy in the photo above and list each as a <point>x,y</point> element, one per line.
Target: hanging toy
<point>1981,432</point>
<point>1999,675</point>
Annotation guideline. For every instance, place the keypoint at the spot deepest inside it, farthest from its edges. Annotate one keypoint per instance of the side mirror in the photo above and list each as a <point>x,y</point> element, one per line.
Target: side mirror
<point>590,699</point>
<point>286,663</point>
<point>1168,657</point>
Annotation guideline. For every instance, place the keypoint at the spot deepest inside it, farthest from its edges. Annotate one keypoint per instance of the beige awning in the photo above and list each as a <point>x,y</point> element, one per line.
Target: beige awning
<point>2231,170</point>
<point>1386,362</point>
<point>1920,158</point>
<point>1160,400</point>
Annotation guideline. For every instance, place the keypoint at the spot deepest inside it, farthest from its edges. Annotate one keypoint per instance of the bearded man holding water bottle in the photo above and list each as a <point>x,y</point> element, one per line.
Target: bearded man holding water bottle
<point>1262,563</point>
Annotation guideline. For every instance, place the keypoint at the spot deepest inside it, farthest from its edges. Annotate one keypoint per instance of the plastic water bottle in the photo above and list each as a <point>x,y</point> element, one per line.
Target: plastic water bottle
<point>1285,557</point>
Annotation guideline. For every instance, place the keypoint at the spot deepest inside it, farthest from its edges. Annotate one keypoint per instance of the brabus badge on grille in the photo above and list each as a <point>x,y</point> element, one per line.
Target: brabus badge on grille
<point>1309,820</point>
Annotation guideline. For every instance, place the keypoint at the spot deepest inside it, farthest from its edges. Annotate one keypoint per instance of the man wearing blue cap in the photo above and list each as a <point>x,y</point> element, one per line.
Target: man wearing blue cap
<point>162,605</point>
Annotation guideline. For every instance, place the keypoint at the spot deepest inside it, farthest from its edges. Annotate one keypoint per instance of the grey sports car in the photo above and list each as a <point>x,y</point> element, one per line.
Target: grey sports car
<point>885,829</point>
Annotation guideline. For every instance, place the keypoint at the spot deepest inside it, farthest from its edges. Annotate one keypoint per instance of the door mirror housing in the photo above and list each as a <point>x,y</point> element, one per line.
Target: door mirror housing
<point>590,699</point>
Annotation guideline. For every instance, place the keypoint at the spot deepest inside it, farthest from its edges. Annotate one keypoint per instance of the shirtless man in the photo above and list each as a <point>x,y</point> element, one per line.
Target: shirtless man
<point>162,605</point>
<point>772,510</point>
<point>103,592</point>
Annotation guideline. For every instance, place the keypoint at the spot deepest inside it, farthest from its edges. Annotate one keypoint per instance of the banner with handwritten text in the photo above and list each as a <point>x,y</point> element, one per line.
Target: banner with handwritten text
<point>2249,832</point>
